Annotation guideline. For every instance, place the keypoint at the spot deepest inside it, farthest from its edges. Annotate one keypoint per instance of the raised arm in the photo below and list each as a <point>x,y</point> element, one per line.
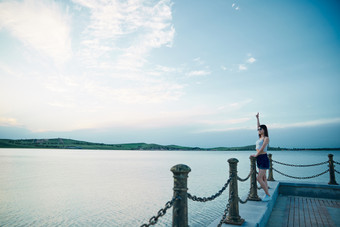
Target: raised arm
<point>258,120</point>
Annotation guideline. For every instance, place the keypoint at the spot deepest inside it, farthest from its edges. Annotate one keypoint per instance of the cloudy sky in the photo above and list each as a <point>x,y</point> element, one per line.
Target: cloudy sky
<point>191,72</point>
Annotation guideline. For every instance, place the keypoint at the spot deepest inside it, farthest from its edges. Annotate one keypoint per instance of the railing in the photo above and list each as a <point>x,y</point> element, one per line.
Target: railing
<point>179,201</point>
<point>330,169</point>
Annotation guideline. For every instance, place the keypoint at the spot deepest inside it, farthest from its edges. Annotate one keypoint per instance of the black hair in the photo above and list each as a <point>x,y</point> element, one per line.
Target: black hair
<point>264,127</point>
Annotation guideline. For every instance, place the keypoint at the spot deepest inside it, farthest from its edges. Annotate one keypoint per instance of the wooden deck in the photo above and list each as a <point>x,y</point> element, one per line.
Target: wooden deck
<point>296,211</point>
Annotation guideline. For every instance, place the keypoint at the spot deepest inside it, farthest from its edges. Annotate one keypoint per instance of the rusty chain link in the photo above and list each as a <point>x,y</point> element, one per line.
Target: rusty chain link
<point>206,199</point>
<point>226,211</point>
<point>245,201</point>
<point>317,175</point>
<point>336,171</point>
<point>336,162</point>
<point>293,165</point>
<point>242,180</point>
<point>153,220</point>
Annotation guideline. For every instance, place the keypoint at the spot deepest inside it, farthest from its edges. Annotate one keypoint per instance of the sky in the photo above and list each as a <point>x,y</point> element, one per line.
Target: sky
<point>191,73</point>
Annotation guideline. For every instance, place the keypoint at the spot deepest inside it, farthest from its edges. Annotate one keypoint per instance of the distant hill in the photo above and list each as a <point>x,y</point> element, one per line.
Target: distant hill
<point>60,143</point>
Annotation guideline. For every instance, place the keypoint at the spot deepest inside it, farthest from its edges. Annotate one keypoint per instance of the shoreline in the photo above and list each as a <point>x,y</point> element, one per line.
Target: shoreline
<point>61,143</point>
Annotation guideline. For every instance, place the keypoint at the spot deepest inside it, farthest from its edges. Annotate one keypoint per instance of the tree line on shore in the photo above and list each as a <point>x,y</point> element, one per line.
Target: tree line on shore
<point>60,143</point>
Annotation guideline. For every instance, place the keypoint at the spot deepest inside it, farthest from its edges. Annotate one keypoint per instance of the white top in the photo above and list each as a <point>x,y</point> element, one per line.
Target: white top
<point>259,144</point>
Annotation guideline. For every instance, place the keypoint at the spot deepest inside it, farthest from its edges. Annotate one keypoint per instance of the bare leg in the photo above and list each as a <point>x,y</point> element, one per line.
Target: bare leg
<point>265,178</point>
<point>261,178</point>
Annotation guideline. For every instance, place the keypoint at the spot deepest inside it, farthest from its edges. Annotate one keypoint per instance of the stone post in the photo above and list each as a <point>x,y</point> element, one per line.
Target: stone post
<point>233,214</point>
<point>253,184</point>
<point>180,207</point>
<point>331,170</point>
<point>270,174</point>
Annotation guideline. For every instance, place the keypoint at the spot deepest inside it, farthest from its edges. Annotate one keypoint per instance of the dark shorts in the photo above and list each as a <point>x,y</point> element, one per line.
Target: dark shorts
<point>262,161</point>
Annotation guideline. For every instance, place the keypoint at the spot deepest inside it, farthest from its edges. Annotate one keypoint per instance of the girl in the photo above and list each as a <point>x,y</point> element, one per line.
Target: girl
<point>262,158</point>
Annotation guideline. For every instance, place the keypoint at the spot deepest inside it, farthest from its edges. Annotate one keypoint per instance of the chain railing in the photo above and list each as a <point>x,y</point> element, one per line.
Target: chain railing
<point>331,169</point>
<point>293,165</point>
<point>153,220</point>
<point>179,202</point>
<point>301,178</point>
<point>335,169</point>
<point>245,179</point>
<point>211,198</point>
<point>225,213</point>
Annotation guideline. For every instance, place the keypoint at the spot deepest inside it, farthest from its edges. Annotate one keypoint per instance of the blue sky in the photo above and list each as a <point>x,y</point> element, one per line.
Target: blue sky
<point>190,73</point>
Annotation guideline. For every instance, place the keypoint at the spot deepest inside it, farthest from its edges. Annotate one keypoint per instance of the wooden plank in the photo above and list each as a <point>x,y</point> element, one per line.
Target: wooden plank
<point>285,222</point>
<point>312,213</point>
<point>309,212</point>
<point>306,212</point>
<point>291,212</point>
<point>316,213</point>
<point>326,203</point>
<point>301,212</point>
<point>324,213</point>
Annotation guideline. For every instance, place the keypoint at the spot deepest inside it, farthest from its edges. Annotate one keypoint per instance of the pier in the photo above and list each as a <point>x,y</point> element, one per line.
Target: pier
<point>292,204</point>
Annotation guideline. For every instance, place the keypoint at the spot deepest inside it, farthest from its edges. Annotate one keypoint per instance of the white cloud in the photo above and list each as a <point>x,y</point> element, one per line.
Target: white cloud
<point>40,25</point>
<point>240,104</point>
<point>234,6</point>
<point>226,122</point>
<point>128,30</point>
<point>307,123</point>
<point>223,129</point>
<point>157,93</point>
<point>251,60</point>
<point>110,68</point>
<point>198,73</point>
<point>199,61</point>
<point>5,121</point>
<point>242,67</point>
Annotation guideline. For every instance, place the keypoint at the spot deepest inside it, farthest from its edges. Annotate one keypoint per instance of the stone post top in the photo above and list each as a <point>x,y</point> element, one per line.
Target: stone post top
<point>232,160</point>
<point>270,154</point>
<point>180,168</point>
<point>330,155</point>
<point>252,157</point>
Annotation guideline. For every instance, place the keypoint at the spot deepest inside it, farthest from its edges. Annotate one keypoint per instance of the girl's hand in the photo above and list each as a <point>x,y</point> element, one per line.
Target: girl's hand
<point>257,115</point>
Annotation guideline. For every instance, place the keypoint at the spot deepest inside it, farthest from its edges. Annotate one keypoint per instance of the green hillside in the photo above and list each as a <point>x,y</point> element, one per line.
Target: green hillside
<point>60,143</point>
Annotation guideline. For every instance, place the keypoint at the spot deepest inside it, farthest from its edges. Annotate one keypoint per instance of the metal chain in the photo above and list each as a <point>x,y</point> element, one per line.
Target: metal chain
<point>242,180</point>
<point>317,175</point>
<point>226,211</point>
<point>337,162</point>
<point>336,171</point>
<point>161,212</point>
<point>245,201</point>
<point>205,199</point>
<point>317,164</point>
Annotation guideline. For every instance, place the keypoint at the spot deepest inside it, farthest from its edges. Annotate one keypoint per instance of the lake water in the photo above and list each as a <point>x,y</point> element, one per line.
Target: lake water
<point>123,188</point>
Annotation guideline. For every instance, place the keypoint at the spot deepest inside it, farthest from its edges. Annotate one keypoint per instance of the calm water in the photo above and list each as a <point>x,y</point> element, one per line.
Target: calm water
<point>122,188</point>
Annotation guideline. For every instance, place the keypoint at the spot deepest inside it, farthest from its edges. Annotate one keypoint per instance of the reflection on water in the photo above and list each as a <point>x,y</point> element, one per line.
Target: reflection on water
<point>122,188</point>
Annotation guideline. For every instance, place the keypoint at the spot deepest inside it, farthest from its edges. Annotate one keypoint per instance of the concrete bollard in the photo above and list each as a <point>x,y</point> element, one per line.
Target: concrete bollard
<point>331,170</point>
<point>180,207</point>
<point>233,214</point>
<point>253,185</point>
<point>270,172</point>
